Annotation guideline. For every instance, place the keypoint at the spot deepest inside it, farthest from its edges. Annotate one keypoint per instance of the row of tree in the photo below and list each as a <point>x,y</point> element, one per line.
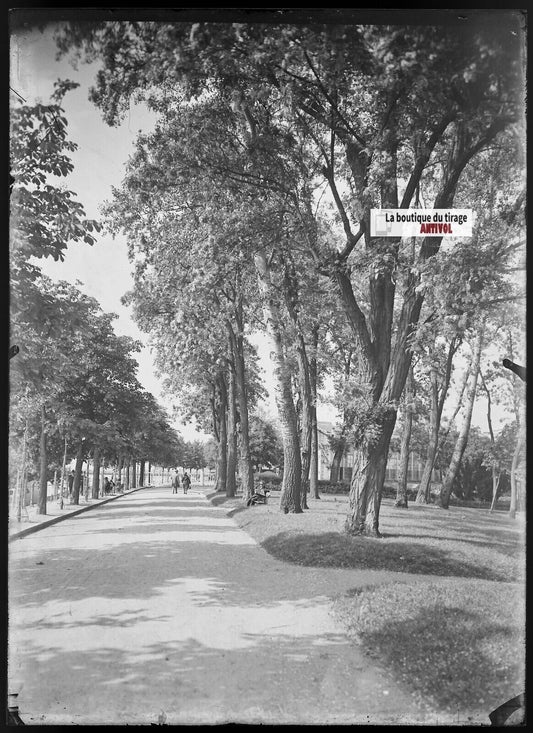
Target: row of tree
<point>74,390</point>
<point>249,205</point>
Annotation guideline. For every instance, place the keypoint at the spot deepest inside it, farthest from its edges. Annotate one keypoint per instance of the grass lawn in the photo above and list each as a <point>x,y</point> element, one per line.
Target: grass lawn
<point>450,624</point>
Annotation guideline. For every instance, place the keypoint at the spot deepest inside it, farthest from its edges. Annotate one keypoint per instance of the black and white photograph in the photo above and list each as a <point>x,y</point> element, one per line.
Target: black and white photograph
<point>267,367</point>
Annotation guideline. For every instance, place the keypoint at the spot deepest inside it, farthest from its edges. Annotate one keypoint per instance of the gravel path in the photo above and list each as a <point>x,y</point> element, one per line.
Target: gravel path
<point>158,608</point>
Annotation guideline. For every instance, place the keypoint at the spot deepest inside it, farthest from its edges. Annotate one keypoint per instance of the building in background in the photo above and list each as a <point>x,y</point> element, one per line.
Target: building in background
<point>325,460</point>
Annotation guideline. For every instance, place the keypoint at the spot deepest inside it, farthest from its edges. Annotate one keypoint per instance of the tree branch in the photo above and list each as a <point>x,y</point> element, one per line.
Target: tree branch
<point>423,159</point>
<point>350,129</point>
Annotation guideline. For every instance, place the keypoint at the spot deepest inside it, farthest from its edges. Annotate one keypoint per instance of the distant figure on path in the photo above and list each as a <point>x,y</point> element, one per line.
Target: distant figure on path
<point>186,481</point>
<point>175,484</point>
<point>70,481</point>
<point>107,486</point>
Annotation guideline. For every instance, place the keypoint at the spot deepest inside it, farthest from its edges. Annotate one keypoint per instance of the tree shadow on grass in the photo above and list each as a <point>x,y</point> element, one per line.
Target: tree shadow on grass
<point>449,665</point>
<point>502,547</point>
<point>332,549</point>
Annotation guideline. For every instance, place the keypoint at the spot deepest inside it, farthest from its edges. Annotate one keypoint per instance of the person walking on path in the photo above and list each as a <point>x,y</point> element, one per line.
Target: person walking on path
<point>186,481</point>
<point>175,484</point>
<point>70,481</point>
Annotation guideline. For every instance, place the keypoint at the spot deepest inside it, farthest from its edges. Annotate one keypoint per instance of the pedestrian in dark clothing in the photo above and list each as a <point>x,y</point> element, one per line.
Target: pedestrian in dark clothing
<point>175,484</point>
<point>70,481</point>
<point>107,486</point>
<point>186,481</point>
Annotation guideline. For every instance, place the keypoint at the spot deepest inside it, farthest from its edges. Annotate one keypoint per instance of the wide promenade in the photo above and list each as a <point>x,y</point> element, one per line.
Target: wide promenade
<point>157,608</point>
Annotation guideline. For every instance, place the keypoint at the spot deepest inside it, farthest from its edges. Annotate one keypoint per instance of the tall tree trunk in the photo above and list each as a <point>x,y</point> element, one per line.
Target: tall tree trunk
<point>221,410</point>
<point>313,379</point>
<point>75,498</point>
<point>290,291</point>
<point>237,345</point>
<point>424,488</point>
<point>43,466</point>
<point>437,405</point>
<point>374,433</point>
<point>63,479</point>
<point>370,461</point>
<point>141,472</point>
<point>334,471</point>
<point>401,493</point>
<point>464,383</point>
<point>306,424</point>
<point>231,464</point>
<point>291,295</point>
<point>496,478</point>
<point>134,474</point>
<point>383,369</point>
<point>127,481</point>
<point>495,468</point>
<point>520,443</point>
<point>462,438</point>
<point>96,472</point>
<point>290,500</point>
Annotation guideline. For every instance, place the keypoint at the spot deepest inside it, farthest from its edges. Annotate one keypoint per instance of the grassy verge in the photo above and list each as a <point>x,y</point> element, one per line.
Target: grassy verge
<point>450,625</point>
<point>458,647</point>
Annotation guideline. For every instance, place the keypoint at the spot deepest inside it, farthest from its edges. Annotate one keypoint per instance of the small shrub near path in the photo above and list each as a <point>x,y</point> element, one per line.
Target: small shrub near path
<point>451,627</point>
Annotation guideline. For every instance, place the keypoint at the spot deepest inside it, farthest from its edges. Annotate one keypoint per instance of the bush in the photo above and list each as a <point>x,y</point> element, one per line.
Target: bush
<point>271,481</point>
<point>328,487</point>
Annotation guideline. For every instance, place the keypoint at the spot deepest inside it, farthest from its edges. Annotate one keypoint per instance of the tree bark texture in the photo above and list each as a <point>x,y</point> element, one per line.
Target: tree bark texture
<point>334,471</point>
<point>290,291</point>
<point>313,379</point>
<point>401,493</point>
<point>96,473</point>
<point>221,410</point>
<point>245,459</point>
<point>231,464</point>
<point>437,405</point>
<point>424,488</point>
<point>75,499</point>
<point>306,421</point>
<point>63,479</point>
<point>495,468</point>
<point>462,438</point>
<point>290,500</point>
<point>43,465</point>
<point>496,477</point>
<point>367,479</point>
<point>520,443</point>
